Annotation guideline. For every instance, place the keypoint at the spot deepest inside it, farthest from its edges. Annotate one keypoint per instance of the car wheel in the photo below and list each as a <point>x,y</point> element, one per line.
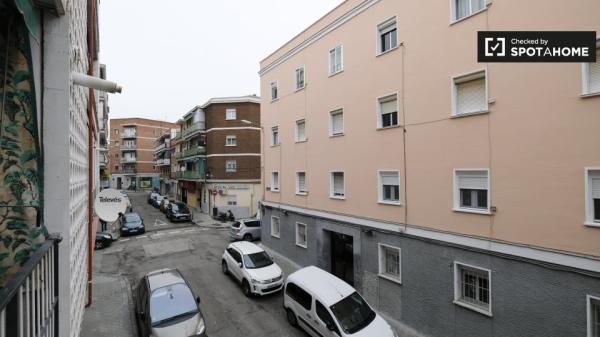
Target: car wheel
<point>98,245</point>
<point>246,288</point>
<point>291,317</point>
<point>224,267</point>
<point>248,237</point>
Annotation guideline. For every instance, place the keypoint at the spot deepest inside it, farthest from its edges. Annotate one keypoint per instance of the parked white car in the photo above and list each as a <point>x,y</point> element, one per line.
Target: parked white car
<point>253,268</point>
<point>325,306</point>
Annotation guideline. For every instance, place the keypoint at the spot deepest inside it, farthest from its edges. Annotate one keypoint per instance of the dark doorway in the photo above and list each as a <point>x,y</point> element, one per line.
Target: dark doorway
<point>342,257</point>
<point>119,183</point>
<point>184,195</point>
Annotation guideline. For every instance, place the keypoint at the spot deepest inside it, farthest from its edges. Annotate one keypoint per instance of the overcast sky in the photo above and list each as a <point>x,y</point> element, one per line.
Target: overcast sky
<point>170,56</point>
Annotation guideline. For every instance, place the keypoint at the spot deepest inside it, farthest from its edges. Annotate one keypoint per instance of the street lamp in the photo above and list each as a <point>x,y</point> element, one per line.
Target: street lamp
<point>262,159</point>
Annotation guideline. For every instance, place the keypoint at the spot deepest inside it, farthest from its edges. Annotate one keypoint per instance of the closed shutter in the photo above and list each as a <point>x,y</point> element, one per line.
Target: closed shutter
<point>338,58</point>
<point>338,184</point>
<point>473,180</point>
<point>302,182</point>
<point>389,106</point>
<point>596,188</point>
<point>470,96</point>
<point>390,178</point>
<point>337,123</point>
<point>275,181</point>
<point>594,85</point>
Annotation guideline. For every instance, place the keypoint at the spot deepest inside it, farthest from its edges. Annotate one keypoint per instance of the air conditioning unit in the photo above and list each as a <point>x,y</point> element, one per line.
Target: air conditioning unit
<point>222,192</point>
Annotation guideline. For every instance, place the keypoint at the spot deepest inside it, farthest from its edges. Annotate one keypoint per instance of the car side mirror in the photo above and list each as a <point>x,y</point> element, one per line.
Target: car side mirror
<point>240,265</point>
<point>198,299</point>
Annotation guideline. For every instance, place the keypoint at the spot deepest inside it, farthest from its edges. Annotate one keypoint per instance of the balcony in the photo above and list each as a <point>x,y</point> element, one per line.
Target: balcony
<point>192,129</point>
<point>160,148</point>
<point>29,300</point>
<point>163,162</point>
<point>128,135</point>
<point>192,175</point>
<point>128,160</point>
<point>128,170</point>
<point>102,160</point>
<point>197,151</point>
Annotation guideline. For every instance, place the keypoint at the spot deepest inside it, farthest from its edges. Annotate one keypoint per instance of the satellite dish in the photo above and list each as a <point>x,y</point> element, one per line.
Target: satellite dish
<point>109,204</point>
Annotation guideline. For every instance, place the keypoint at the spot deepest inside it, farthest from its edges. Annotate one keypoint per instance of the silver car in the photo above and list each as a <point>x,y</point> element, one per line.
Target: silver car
<point>245,229</point>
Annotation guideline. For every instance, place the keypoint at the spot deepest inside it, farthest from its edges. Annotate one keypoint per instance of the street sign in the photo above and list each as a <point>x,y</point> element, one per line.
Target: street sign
<point>109,204</point>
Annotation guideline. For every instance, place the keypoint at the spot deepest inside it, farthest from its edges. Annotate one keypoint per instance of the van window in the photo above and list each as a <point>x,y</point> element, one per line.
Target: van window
<point>299,295</point>
<point>324,315</point>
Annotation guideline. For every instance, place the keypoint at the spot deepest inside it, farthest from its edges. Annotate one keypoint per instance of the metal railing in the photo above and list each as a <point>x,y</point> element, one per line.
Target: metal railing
<point>160,147</point>
<point>29,300</point>
<point>162,162</point>
<point>198,126</point>
<point>127,160</point>
<point>196,151</point>
<point>188,175</point>
<point>128,147</point>
<point>128,135</point>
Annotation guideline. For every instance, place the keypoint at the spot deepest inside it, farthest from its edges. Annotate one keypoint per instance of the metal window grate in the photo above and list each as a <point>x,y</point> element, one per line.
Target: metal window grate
<point>475,287</point>
<point>392,262</point>
<point>595,317</point>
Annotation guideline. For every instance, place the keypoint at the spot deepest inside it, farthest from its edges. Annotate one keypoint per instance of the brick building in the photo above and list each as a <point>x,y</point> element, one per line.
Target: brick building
<point>131,152</point>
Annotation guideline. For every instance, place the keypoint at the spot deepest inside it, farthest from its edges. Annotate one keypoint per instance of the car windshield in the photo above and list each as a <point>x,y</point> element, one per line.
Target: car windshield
<point>353,313</point>
<point>257,260</point>
<point>171,302</point>
<point>180,208</point>
<point>132,217</point>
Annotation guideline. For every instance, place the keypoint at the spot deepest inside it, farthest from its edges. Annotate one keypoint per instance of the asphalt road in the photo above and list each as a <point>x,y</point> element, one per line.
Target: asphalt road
<point>196,252</point>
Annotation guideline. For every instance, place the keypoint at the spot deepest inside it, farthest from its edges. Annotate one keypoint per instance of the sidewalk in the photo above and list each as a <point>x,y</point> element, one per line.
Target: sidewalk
<point>205,220</point>
<point>110,314</point>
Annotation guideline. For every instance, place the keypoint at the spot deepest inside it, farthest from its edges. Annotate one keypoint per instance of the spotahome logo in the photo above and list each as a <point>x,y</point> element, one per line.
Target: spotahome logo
<point>536,46</point>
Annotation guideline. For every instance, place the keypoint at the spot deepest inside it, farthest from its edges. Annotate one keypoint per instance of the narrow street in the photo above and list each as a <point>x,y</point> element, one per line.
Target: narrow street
<point>194,250</point>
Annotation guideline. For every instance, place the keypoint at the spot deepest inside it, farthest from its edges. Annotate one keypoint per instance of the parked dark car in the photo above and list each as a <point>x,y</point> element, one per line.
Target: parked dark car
<point>166,306</point>
<point>103,240</point>
<point>178,211</point>
<point>132,223</point>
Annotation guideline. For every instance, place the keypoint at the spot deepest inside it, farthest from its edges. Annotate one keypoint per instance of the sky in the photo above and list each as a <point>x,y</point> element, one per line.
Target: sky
<point>171,58</point>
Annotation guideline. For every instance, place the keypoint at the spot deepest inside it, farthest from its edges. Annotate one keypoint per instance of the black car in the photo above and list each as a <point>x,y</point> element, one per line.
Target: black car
<point>178,211</point>
<point>103,240</point>
<point>132,223</point>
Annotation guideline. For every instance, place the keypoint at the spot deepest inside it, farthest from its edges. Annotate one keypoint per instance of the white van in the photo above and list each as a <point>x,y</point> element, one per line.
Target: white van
<point>325,306</point>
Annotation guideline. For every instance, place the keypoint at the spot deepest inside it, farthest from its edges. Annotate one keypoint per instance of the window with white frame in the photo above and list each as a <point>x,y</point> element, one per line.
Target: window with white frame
<point>232,200</point>
<point>463,8</point>
<point>471,190</point>
<point>336,123</point>
<point>389,262</point>
<point>387,35</point>
<point>301,235</point>
<point>301,183</point>
<point>591,75</point>
<point>275,227</point>
<point>230,114</point>
<point>387,109</point>
<point>593,313</point>
<point>336,61</point>
<point>231,141</point>
<point>389,187</point>
<point>275,181</point>
<point>337,189</point>
<point>231,166</point>
<point>299,77</point>
<point>301,130</point>
<point>274,136</point>
<point>472,287</point>
<point>274,93</point>
<point>469,94</point>
<point>593,197</point>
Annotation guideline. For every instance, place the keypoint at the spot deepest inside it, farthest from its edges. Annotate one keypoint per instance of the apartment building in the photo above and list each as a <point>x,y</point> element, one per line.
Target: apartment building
<point>218,157</point>
<point>103,111</point>
<point>162,161</point>
<point>460,198</point>
<point>131,153</point>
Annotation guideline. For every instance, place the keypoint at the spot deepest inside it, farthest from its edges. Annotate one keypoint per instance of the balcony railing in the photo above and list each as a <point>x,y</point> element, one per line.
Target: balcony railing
<point>196,151</point>
<point>162,162</point>
<point>128,160</point>
<point>128,147</point>
<point>188,175</point>
<point>128,135</point>
<point>198,126</point>
<point>29,300</point>
<point>125,171</point>
<point>160,147</point>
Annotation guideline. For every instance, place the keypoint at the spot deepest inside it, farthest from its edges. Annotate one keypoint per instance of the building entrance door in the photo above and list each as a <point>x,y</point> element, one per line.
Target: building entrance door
<point>119,183</point>
<point>342,257</point>
<point>184,195</point>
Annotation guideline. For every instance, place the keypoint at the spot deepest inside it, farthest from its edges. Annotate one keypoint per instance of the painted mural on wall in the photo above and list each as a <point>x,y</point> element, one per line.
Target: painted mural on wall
<point>21,232</point>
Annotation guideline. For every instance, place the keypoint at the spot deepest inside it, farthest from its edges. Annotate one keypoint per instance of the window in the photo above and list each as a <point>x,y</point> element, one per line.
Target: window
<point>232,200</point>
<point>387,109</point>
<point>117,167</point>
<point>472,288</point>
<point>301,183</point>
<point>336,61</point>
<point>324,315</point>
<point>235,255</point>
<point>592,197</point>
<point>274,93</point>
<point>469,94</point>
<point>274,181</point>
<point>275,228</point>
<point>301,235</point>
<point>230,114</point>
<point>336,123</point>
<point>471,192</point>
<point>301,131</point>
<point>299,295</point>
<point>337,185</point>
<point>389,262</point>
<point>463,8</point>
<point>387,35</point>
<point>299,77</point>
<point>117,131</point>
<point>274,136</point>
<point>231,166</point>
<point>231,141</point>
<point>591,75</point>
<point>389,187</point>
<point>593,311</point>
